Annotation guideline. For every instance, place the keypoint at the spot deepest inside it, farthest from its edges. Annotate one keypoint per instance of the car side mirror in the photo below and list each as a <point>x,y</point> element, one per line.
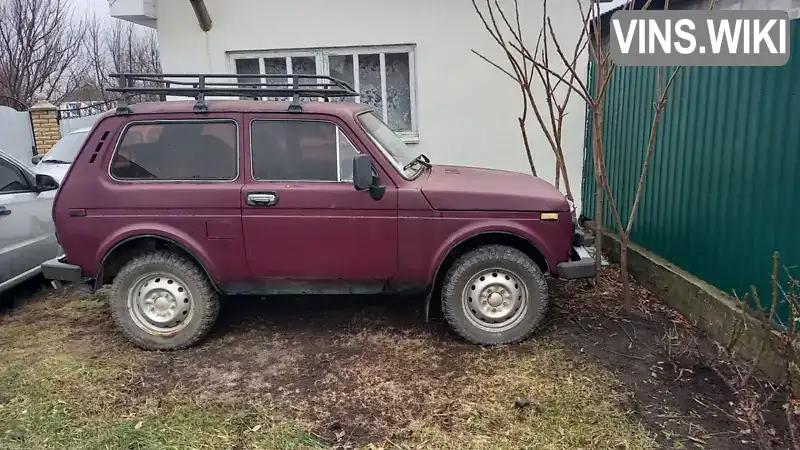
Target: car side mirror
<point>36,159</point>
<point>365,177</point>
<point>45,183</point>
<point>362,172</point>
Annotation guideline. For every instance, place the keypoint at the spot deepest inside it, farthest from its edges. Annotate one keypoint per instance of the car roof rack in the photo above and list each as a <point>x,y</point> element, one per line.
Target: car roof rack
<point>200,86</point>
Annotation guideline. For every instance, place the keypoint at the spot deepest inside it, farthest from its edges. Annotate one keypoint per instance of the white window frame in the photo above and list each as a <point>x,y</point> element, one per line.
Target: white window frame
<point>321,57</point>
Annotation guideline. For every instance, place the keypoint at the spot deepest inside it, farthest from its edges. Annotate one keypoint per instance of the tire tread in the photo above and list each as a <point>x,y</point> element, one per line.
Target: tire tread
<point>451,295</point>
<point>206,304</point>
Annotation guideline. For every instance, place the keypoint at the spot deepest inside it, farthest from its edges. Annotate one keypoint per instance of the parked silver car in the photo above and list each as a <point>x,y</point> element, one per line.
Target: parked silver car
<point>27,233</point>
<point>59,159</point>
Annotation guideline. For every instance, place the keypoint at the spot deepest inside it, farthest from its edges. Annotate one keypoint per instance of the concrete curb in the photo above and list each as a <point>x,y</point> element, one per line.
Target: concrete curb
<point>706,306</point>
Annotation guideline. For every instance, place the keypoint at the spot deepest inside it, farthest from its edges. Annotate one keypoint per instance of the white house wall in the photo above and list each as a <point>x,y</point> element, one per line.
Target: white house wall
<point>466,110</point>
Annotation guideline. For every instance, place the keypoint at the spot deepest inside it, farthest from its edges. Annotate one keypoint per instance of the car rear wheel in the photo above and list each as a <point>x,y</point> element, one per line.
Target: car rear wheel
<point>163,301</point>
<point>494,295</point>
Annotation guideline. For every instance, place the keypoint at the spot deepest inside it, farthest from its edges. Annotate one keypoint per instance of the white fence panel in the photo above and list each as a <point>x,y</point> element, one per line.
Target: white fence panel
<point>16,135</point>
<point>69,125</point>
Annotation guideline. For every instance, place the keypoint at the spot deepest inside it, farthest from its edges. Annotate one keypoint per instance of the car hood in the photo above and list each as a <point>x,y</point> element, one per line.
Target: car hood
<point>57,171</point>
<point>457,188</point>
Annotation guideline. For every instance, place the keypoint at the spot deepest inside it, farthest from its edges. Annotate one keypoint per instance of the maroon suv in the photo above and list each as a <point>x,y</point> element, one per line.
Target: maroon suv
<point>177,202</point>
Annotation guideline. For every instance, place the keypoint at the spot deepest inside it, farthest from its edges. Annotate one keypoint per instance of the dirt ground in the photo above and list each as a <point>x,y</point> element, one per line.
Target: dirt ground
<point>348,372</point>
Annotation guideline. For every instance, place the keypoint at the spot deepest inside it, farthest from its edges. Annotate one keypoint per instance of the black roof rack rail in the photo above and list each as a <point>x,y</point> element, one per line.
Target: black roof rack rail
<point>199,86</point>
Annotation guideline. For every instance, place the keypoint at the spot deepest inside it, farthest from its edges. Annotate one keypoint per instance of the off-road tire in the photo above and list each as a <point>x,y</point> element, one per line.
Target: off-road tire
<point>482,258</point>
<point>205,300</point>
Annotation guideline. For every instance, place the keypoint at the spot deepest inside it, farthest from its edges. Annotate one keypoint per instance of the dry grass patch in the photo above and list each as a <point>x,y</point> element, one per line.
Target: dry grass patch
<point>56,393</point>
<point>536,397</point>
<point>68,380</point>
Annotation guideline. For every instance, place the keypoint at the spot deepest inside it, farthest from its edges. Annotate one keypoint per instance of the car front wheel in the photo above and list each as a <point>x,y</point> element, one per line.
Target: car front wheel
<point>494,295</point>
<point>163,301</point>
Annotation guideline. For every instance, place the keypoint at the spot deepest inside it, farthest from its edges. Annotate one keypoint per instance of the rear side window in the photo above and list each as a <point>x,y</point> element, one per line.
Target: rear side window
<point>300,150</point>
<point>178,151</point>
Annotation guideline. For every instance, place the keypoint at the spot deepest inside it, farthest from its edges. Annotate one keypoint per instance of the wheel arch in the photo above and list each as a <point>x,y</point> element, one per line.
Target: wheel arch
<point>473,241</point>
<point>128,247</point>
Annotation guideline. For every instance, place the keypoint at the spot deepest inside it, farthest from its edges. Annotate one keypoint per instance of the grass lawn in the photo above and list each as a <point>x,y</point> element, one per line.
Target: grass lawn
<point>69,381</point>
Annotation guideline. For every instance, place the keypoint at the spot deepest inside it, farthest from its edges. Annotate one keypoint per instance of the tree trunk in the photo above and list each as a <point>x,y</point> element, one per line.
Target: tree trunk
<point>598,233</point>
<point>598,202</point>
<point>623,273</point>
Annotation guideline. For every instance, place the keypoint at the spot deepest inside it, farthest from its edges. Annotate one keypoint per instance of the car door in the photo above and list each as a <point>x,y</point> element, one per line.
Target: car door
<point>301,215</point>
<point>27,233</point>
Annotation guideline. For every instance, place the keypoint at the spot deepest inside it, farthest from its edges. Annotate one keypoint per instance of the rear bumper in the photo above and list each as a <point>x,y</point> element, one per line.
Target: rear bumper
<point>59,269</point>
<point>581,265</point>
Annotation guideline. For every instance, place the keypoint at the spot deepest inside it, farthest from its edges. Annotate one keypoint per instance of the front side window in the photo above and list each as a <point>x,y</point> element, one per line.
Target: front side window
<point>298,150</point>
<point>12,179</point>
<point>384,76</point>
<point>178,151</point>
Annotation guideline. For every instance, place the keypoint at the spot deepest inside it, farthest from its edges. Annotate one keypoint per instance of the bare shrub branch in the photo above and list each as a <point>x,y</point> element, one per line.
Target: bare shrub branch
<point>751,396</point>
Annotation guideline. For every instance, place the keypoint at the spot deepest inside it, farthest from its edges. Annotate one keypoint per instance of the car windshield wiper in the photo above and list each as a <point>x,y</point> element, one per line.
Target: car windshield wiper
<point>421,160</point>
<point>54,161</point>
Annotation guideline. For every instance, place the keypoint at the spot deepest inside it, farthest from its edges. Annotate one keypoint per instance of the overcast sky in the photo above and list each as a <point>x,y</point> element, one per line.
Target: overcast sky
<point>612,4</point>
<point>99,7</point>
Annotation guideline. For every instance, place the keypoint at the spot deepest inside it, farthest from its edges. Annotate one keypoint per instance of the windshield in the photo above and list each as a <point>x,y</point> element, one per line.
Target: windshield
<point>66,149</point>
<point>389,143</point>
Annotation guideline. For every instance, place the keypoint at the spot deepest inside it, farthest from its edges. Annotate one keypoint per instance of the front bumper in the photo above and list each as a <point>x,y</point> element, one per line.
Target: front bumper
<point>59,269</point>
<point>581,265</point>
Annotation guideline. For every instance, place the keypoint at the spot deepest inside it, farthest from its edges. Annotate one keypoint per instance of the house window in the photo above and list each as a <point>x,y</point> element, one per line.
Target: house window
<point>383,76</point>
<point>300,150</point>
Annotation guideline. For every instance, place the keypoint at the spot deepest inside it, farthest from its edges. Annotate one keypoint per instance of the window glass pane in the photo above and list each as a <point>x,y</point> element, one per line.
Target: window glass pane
<point>11,179</point>
<point>66,149</point>
<point>369,76</point>
<point>275,66</point>
<point>387,141</point>
<point>177,151</point>
<point>341,68</point>
<point>247,66</point>
<point>346,154</point>
<point>305,65</point>
<point>398,92</point>
<point>294,150</point>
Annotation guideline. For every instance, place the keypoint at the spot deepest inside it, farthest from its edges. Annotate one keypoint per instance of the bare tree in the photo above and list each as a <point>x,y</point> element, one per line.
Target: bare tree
<point>521,58</point>
<point>40,43</point>
<point>120,47</point>
<point>507,32</point>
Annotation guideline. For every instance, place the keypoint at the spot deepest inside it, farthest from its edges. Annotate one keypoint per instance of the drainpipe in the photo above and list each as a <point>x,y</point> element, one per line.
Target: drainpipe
<point>201,12</point>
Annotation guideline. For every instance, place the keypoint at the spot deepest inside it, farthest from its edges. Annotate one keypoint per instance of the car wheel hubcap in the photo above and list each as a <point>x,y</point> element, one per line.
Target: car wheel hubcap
<point>160,304</point>
<point>495,300</point>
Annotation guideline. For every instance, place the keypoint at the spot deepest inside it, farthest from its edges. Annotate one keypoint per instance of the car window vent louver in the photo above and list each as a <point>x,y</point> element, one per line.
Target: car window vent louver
<point>98,147</point>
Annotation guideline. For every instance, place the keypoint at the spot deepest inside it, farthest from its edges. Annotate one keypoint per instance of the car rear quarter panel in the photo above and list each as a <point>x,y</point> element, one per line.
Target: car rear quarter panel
<point>204,217</point>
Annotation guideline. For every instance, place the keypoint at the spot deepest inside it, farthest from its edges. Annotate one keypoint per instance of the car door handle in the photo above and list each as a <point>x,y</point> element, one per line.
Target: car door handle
<point>4,211</point>
<point>262,198</point>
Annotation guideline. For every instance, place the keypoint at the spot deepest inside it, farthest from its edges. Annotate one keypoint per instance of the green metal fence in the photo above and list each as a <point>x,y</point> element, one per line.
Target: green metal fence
<point>723,190</point>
